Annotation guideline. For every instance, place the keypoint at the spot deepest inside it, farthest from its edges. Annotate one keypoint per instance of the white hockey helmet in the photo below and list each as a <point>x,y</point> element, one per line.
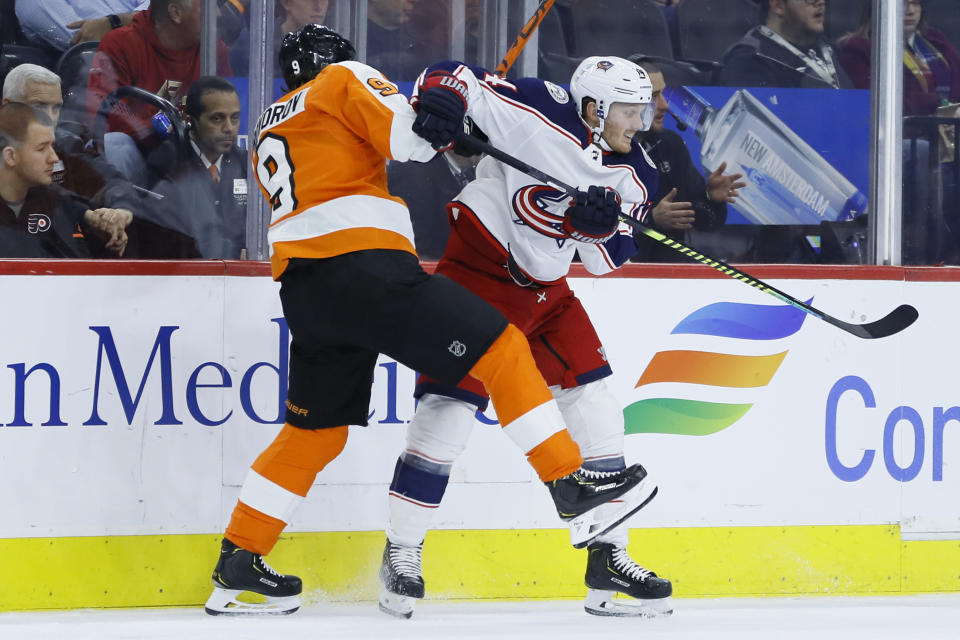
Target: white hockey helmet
<point>608,79</point>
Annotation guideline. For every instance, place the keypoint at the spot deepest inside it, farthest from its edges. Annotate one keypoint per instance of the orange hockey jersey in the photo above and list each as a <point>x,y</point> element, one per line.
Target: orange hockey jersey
<point>320,159</point>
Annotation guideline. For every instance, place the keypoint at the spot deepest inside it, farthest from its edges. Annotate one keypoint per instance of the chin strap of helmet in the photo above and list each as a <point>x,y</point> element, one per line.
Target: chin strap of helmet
<point>598,137</point>
<point>596,133</point>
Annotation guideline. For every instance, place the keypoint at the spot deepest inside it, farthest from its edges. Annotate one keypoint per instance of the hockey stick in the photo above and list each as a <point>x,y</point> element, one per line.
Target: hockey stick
<point>894,322</point>
<point>509,58</point>
<point>521,41</point>
<point>516,48</point>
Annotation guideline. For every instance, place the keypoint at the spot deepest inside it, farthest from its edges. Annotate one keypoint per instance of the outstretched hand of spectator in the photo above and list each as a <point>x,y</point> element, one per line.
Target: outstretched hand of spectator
<point>94,29</point>
<point>111,224</point>
<point>724,188</point>
<point>669,215</point>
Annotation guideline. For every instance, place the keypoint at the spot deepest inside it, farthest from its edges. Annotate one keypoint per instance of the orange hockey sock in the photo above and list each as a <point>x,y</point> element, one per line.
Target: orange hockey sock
<point>555,457</point>
<point>525,406</point>
<point>253,530</point>
<point>278,481</point>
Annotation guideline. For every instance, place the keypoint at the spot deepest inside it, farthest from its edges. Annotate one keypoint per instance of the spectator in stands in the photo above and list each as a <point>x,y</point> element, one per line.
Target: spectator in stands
<point>10,31</point>
<point>684,199</point>
<point>76,170</point>
<point>17,48</point>
<point>788,50</point>
<point>205,194</point>
<point>931,64</point>
<point>291,15</point>
<point>62,23</point>
<point>297,13</point>
<point>35,86</point>
<point>391,47</point>
<point>931,79</point>
<point>38,219</point>
<point>231,19</point>
<point>669,10</point>
<point>159,52</point>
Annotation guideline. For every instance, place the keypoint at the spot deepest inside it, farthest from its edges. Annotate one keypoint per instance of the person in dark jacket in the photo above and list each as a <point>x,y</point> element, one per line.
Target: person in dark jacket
<point>77,169</point>
<point>37,218</point>
<point>788,50</point>
<point>931,64</point>
<point>205,192</point>
<point>291,15</point>
<point>685,200</point>
<point>931,79</point>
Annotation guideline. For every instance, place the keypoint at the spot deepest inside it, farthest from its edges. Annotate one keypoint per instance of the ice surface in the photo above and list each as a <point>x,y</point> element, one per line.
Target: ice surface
<point>922,617</point>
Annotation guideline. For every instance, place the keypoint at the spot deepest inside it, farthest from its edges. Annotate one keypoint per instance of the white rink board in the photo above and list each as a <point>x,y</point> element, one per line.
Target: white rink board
<point>769,468</point>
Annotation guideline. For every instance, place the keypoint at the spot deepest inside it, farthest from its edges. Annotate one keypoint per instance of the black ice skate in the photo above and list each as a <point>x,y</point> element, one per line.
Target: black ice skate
<point>401,579</point>
<point>578,495</point>
<point>609,571</point>
<point>239,570</point>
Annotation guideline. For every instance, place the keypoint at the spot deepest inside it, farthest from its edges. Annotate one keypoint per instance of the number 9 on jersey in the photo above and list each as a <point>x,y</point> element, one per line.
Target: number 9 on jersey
<point>275,173</point>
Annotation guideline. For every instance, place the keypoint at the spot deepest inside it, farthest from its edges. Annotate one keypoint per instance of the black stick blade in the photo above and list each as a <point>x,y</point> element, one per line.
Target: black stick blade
<point>894,322</point>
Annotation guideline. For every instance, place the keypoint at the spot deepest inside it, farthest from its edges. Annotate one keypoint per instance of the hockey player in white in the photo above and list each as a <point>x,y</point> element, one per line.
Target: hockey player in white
<point>512,242</point>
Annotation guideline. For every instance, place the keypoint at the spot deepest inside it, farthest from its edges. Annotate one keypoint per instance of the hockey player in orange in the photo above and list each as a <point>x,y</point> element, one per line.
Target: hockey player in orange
<point>352,287</point>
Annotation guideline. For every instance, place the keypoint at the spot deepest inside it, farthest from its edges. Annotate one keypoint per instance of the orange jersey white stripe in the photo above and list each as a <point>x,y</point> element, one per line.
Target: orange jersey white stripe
<point>320,160</point>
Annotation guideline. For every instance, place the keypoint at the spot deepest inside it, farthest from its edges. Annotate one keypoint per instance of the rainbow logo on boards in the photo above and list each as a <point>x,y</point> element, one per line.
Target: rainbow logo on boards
<point>723,321</point>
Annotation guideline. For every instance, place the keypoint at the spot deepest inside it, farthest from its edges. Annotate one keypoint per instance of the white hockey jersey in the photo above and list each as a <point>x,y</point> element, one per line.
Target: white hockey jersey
<point>537,122</point>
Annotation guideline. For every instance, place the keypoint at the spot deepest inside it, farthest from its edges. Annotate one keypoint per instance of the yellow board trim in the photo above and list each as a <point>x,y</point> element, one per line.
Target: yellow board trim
<point>149,571</point>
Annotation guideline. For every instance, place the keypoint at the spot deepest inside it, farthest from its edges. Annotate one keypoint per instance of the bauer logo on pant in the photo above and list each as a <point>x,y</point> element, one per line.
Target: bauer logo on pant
<point>457,348</point>
<point>294,409</point>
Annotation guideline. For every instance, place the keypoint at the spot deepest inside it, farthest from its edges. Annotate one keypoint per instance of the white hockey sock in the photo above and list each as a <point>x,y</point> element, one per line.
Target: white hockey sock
<point>436,436</point>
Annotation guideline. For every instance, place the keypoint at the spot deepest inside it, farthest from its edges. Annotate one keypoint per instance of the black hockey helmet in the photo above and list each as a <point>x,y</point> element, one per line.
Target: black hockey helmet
<point>304,53</point>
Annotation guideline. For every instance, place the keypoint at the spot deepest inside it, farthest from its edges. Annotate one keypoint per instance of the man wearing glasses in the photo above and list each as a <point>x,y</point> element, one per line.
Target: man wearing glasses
<point>787,50</point>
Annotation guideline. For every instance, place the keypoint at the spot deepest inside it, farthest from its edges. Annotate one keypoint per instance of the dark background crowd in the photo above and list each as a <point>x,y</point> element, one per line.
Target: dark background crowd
<point>129,151</point>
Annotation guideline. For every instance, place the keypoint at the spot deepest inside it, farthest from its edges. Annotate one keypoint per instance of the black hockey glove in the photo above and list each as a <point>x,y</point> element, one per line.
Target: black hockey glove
<point>593,217</point>
<point>462,146</point>
<point>440,103</point>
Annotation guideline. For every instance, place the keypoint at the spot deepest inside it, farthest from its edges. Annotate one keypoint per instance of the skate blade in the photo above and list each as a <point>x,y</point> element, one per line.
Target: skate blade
<point>602,603</point>
<point>585,528</point>
<point>396,605</point>
<point>226,602</point>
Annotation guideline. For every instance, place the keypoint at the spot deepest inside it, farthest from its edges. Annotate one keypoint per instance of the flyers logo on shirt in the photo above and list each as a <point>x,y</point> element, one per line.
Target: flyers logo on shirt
<point>38,223</point>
